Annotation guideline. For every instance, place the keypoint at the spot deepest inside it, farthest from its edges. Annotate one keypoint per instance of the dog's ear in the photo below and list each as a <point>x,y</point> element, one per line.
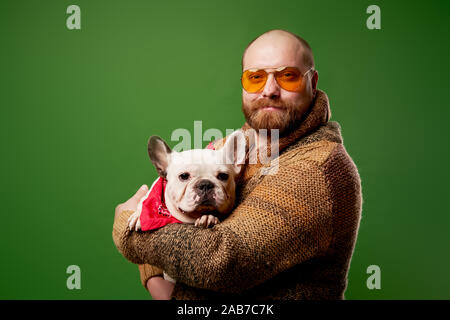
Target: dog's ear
<point>234,150</point>
<point>159,153</point>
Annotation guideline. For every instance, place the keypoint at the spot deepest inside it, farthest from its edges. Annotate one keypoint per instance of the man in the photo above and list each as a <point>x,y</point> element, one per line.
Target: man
<point>292,233</point>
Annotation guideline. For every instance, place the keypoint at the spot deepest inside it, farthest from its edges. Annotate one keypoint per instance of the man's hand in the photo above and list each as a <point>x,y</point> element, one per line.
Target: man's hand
<point>159,288</point>
<point>132,203</point>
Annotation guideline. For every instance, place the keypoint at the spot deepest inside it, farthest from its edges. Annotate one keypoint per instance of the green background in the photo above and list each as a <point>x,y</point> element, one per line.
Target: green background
<point>77,108</point>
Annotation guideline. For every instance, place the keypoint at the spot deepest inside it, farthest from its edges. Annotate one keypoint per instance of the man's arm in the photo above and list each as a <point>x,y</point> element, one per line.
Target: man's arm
<point>147,272</point>
<point>284,221</point>
<point>159,288</point>
<point>151,276</point>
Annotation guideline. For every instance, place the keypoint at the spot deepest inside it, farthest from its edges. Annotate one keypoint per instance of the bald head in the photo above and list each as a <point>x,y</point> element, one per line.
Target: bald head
<point>263,51</point>
<point>273,106</point>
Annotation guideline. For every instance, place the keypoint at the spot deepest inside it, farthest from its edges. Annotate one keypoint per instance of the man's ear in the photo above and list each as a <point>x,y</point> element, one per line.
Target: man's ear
<point>234,150</point>
<point>159,152</point>
<point>314,80</point>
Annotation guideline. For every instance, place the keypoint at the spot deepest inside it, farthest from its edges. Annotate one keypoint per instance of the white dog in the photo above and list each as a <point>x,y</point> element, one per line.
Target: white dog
<point>201,184</point>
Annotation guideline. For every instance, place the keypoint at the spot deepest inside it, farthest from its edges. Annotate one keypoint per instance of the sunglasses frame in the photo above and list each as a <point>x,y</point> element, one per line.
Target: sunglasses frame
<point>274,71</point>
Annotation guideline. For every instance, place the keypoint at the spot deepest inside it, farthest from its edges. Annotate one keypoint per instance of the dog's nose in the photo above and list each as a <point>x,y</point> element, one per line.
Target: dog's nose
<point>204,185</point>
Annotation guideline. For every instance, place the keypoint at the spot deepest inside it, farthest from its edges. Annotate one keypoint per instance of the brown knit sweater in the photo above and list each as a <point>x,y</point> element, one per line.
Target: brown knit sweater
<point>291,235</point>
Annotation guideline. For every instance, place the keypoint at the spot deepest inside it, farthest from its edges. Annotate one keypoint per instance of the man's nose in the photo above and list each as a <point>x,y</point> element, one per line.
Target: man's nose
<point>271,89</point>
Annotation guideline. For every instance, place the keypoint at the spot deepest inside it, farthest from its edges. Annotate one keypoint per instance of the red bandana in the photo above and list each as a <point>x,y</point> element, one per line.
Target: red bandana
<point>155,214</point>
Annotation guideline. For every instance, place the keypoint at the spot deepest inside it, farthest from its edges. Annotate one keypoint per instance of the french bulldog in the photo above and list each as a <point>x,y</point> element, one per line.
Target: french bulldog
<point>201,183</point>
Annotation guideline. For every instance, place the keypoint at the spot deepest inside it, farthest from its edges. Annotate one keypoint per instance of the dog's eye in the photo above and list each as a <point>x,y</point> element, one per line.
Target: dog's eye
<point>222,176</point>
<point>184,176</point>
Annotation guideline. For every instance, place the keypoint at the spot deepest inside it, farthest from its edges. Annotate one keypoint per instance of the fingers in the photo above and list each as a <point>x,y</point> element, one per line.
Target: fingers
<point>141,192</point>
<point>138,224</point>
<point>134,222</point>
<point>131,204</point>
<point>118,210</point>
<point>131,222</point>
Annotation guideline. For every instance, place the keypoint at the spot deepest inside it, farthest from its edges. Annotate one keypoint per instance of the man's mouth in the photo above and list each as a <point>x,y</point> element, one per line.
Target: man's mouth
<point>271,108</point>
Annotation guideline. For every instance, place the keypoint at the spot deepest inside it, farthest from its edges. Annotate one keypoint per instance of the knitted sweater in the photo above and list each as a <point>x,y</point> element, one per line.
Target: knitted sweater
<point>290,236</point>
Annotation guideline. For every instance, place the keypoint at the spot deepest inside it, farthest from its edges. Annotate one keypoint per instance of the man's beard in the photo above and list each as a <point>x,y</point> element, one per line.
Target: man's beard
<point>285,118</point>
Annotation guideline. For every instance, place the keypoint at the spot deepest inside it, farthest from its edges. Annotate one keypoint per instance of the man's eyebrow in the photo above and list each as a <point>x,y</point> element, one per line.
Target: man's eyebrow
<point>267,68</point>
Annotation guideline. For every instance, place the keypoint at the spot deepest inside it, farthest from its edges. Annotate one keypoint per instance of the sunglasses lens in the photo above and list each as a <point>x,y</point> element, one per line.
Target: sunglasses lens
<point>254,81</point>
<point>290,79</point>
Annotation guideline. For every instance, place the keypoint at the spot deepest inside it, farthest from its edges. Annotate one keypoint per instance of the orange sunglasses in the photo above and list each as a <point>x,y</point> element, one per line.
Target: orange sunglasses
<point>288,78</point>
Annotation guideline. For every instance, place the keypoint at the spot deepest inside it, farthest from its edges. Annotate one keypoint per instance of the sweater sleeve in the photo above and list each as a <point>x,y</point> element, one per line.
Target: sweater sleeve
<point>147,271</point>
<point>285,220</point>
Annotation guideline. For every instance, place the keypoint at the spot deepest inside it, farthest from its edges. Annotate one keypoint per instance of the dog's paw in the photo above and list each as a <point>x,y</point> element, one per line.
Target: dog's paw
<point>206,221</point>
<point>134,223</point>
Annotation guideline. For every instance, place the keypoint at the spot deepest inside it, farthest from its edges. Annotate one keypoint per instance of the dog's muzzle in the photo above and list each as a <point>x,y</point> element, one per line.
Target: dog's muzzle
<point>204,187</point>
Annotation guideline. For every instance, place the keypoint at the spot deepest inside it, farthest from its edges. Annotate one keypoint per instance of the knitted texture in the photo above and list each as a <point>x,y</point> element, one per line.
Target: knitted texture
<point>290,236</point>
